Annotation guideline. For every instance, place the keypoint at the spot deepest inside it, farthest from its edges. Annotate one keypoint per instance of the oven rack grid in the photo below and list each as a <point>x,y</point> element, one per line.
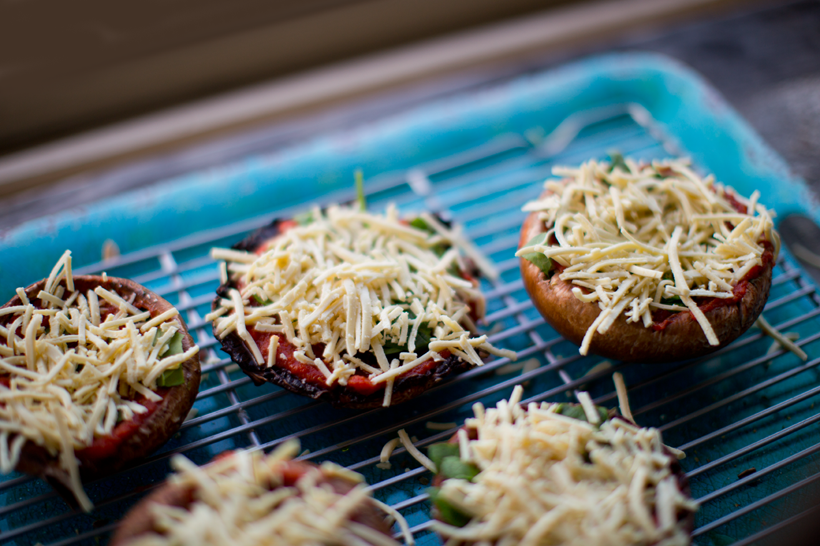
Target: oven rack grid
<point>750,405</point>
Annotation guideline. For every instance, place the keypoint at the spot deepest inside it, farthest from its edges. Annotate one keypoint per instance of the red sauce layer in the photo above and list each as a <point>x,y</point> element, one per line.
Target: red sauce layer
<point>311,374</point>
<point>665,318</point>
<point>104,447</point>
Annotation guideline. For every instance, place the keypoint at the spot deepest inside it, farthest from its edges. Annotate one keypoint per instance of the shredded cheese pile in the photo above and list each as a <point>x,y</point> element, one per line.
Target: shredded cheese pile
<point>546,478</point>
<point>240,499</point>
<point>72,373</point>
<point>354,282</point>
<point>632,237</point>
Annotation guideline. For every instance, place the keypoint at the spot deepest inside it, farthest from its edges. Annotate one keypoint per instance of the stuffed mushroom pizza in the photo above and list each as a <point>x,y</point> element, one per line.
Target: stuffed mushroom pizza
<point>94,373</point>
<point>251,499</point>
<point>646,262</point>
<point>568,474</point>
<point>356,308</point>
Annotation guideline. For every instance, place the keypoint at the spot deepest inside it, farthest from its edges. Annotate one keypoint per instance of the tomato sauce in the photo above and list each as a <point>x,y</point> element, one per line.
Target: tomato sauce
<point>311,374</point>
<point>665,318</point>
<point>104,447</point>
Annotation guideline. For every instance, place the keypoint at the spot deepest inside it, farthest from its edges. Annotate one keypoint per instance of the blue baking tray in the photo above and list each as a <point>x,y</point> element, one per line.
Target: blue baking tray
<point>476,157</point>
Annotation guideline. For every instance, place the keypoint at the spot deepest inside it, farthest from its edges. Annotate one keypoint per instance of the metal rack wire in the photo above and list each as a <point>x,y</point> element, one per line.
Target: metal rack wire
<point>744,407</point>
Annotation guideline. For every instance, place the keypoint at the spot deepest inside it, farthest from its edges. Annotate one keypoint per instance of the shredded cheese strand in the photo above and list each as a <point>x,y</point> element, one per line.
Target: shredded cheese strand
<point>415,453</point>
<point>623,395</point>
<point>781,339</point>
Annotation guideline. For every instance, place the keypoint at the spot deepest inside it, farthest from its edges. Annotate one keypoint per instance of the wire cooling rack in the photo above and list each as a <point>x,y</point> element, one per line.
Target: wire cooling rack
<point>745,416</point>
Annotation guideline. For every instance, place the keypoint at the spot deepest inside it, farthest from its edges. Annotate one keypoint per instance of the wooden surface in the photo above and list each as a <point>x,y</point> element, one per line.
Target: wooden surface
<point>767,63</point>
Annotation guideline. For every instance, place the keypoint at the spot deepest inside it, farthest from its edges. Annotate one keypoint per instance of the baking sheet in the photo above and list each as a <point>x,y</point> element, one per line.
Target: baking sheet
<point>476,157</point>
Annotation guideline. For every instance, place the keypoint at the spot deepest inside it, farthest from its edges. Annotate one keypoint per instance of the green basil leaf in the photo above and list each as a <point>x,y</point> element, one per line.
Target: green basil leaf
<point>536,258</point>
<point>454,467</point>
<point>174,346</point>
<point>438,452</point>
<point>171,378</point>
<point>449,513</point>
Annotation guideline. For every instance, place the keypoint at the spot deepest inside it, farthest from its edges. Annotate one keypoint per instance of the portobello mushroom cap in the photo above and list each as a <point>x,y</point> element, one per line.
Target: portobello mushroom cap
<point>405,387</point>
<point>685,520</point>
<point>163,422</point>
<point>140,519</point>
<point>681,339</point>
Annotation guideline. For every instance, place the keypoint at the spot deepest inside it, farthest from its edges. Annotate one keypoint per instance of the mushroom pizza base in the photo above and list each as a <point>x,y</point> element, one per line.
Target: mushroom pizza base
<point>681,339</point>
<point>685,520</point>
<point>405,386</point>
<point>153,432</point>
<point>140,520</point>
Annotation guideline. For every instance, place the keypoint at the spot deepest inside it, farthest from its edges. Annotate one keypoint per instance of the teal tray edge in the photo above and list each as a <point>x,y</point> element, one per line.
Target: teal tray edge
<point>678,99</point>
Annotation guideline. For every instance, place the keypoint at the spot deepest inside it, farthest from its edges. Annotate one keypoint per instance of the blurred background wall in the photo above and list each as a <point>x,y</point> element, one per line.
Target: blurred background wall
<point>90,86</point>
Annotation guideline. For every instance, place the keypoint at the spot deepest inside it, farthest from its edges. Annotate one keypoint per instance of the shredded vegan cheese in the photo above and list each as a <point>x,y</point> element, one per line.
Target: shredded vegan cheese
<point>781,339</point>
<point>242,499</point>
<point>630,238</point>
<point>623,395</point>
<point>356,283</point>
<point>414,451</point>
<point>545,478</point>
<point>75,371</point>
<point>387,451</point>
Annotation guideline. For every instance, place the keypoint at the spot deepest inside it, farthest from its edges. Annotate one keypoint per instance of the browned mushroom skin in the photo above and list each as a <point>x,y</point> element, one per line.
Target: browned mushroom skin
<point>405,387</point>
<point>163,422</point>
<point>681,339</point>
<point>140,520</point>
<point>686,519</point>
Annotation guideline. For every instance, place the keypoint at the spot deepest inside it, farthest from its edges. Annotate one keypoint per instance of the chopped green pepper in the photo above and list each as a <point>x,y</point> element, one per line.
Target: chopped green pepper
<point>577,412</point>
<point>437,452</point>
<point>174,346</point>
<point>420,223</point>
<point>449,513</point>
<point>423,337</point>
<point>617,160</point>
<point>453,467</point>
<point>171,378</point>
<point>538,259</point>
<point>174,377</point>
